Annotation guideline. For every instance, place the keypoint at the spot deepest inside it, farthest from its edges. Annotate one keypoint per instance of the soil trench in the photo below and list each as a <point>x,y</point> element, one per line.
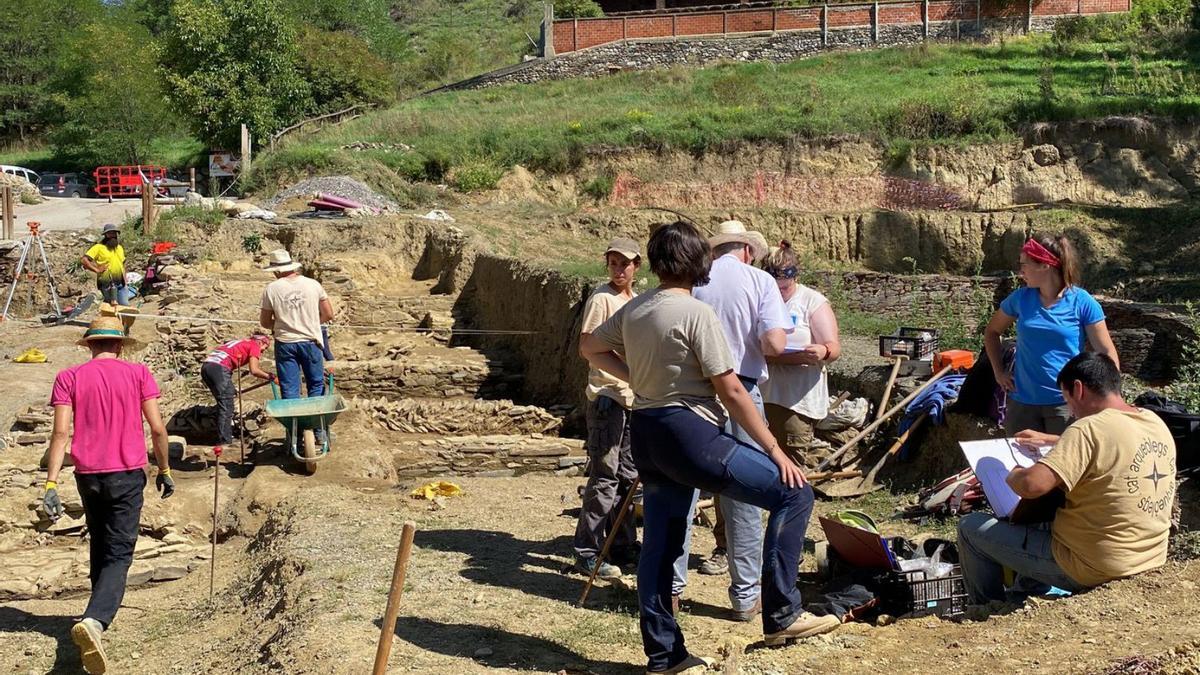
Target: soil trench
<point>303,562</point>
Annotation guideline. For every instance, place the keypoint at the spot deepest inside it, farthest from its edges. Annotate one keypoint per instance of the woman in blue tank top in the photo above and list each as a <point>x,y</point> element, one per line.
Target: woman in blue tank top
<point>1055,320</point>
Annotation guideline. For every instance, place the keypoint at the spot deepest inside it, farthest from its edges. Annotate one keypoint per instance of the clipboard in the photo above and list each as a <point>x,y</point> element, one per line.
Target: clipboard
<point>858,547</point>
<point>992,460</point>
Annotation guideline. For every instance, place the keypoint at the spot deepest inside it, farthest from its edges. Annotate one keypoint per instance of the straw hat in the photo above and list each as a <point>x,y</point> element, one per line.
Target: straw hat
<point>281,261</point>
<point>106,328</point>
<point>735,231</point>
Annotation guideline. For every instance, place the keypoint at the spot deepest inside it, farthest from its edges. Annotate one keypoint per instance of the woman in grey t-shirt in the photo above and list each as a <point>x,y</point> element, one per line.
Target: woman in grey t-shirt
<point>678,364</point>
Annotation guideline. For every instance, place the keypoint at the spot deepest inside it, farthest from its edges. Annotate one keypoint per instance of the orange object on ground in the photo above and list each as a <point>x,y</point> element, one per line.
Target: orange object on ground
<point>959,359</point>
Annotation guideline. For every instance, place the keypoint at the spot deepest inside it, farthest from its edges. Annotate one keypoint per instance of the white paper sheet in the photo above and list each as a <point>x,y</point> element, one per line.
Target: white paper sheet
<point>992,460</point>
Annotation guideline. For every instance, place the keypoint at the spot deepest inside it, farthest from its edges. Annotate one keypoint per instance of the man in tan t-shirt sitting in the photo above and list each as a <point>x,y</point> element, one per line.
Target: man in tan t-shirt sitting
<point>293,308</point>
<point>1116,464</point>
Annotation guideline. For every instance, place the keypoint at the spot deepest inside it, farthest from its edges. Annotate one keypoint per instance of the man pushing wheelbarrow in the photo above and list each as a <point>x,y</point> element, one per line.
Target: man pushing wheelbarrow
<point>293,308</point>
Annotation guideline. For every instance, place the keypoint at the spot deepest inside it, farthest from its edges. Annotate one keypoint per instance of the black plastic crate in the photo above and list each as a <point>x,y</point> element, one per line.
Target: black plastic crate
<point>911,594</point>
<point>915,343</point>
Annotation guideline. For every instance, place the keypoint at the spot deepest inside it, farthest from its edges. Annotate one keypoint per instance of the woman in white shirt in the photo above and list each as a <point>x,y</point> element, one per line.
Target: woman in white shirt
<point>796,392</point>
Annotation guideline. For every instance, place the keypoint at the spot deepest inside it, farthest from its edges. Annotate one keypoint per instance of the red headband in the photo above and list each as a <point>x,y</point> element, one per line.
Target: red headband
<point>1040,253</point>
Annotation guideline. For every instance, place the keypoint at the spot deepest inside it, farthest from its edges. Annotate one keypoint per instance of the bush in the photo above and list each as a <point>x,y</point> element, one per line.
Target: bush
<point>578,9</point>
<point>600,187</point>
<point>476,175</point>
<point>342,71</point>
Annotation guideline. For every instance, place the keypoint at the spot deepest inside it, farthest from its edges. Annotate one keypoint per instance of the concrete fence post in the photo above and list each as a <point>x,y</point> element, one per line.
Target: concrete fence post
<point>624,28</point>
<point>725,22</point>
<point>875,22</point>
<point>1029,17</point>
<point>674,32</point>
<point>925,19</point>
<point>979,16</point>
<point>824,25</point>
<point>548,30</point>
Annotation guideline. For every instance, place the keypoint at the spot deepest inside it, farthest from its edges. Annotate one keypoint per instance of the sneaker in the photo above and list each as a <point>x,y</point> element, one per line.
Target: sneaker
<point>607,571</point>
<point>86,635</point>
<point>805,625</point>
<point>685,665</point>
<point>717,563</point>
<point>745,615</point>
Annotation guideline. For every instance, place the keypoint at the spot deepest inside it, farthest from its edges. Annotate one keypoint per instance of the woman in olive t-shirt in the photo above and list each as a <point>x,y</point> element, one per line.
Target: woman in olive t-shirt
<point>678,363</point>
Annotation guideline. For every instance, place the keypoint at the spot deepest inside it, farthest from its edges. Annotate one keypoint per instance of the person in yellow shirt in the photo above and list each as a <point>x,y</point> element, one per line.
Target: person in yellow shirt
<point>107,261</point>
<point>1116,464</point>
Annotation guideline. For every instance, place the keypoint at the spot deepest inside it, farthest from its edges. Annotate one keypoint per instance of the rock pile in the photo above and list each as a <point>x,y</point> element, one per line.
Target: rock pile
<point>452,416</point>
<point>339,186</point>
<point>198,424</point>
<point>23,191</point>
<point>33,426</point>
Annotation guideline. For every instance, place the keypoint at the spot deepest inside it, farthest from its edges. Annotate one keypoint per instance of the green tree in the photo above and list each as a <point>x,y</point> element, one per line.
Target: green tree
<point>341,70</point>
<point>32,34</point>
<point>576,8</point>
<point>233,62</point>
<point>118,107</point>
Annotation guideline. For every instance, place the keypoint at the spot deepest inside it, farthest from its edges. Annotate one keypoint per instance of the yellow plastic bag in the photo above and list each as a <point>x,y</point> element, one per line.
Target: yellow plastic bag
<point>31,355</point>
<point>439,489</point>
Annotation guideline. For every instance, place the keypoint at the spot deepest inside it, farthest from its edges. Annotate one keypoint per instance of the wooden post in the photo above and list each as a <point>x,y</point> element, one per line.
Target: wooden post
<point>824,25</point>
<point>192,178</point>
<point>245,150</point>
<point>146,215</point>
<point>388,628</point>
<point>6,203</point>
<point>548,30</point>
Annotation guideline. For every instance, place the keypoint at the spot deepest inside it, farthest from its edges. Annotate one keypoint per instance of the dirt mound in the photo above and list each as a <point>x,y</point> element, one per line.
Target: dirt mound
<point>23,190</point>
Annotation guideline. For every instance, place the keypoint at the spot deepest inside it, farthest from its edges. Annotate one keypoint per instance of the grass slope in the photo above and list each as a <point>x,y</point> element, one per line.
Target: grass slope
<point>941,93</point>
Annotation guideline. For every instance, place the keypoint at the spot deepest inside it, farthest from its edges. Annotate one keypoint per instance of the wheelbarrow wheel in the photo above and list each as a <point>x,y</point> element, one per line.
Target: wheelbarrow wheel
<point>310,452</point>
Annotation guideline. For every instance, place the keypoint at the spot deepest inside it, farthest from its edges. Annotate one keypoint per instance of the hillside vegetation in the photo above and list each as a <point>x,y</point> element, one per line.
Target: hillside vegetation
<point>87,82</point>
<point>1140,64</point>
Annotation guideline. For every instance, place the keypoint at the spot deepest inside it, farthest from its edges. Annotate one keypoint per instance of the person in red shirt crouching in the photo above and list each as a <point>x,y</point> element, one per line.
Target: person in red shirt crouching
<point>217,373</point>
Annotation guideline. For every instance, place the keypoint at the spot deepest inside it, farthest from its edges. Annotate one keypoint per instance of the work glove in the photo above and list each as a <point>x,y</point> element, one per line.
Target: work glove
<point>51,502</point>
<point>164,483</point>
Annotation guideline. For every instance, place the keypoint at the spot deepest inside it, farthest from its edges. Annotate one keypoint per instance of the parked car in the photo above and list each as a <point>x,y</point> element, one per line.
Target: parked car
<point>21,171</point>
<point>65,185</point>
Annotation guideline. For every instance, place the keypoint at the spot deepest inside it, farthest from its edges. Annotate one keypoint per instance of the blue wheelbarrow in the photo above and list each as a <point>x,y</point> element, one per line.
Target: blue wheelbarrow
<point>302,418</point>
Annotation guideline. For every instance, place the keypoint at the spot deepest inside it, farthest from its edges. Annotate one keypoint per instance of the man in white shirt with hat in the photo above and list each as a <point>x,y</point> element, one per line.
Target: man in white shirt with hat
<point>293,309</point>
<point>756,322</point>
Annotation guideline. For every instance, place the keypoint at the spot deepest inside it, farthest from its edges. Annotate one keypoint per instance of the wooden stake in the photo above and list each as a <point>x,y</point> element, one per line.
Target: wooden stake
<point>388,629</point>
<point>624,510</point>
<point>212,566</point>
<point>8,231</point>
<point>192,178</point>
<point>883,418</point>
<point>241,420</point>
<point>887,389</point>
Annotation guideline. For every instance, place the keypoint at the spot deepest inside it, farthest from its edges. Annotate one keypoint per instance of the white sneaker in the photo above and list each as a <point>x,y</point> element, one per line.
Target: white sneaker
<point>86,636</point>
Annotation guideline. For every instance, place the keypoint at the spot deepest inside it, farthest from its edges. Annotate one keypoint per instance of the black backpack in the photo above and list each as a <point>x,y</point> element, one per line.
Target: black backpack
<point>1184,426</point>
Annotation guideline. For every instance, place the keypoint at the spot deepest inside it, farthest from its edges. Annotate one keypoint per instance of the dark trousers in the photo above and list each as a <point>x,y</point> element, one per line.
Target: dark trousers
<point>112,506</point>
<point>219,381</point>
<point>676,451</point>
<point>609,478</point>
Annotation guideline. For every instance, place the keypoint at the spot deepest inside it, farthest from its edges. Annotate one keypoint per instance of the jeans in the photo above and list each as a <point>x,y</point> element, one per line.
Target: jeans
<point>744,527</point>
<point>292,358</point>
<point>219,381</point>
<point>116,293</point>
<point>677,452</point>
<point>611,475</point>
<point>1051,419</point>
<point>986,545</point>
<point>112,506</point>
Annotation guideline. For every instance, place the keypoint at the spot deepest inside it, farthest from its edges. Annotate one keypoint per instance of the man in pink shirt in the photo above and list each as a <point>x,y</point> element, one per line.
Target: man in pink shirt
<point>104,401</point>
<point>217,373</point>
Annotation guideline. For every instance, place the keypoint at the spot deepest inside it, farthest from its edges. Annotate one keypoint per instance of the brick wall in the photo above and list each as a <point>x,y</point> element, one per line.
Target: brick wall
<point>575,34</point>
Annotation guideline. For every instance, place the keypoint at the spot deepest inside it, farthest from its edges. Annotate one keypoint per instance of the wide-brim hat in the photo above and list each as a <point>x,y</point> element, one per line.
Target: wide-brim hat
<point>109,227</point>
<point>735,231</point>
<point>106,328</point>
<point>280,260</point>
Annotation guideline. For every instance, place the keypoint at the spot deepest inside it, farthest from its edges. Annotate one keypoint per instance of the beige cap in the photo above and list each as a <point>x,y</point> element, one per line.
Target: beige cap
<point>625,246</point>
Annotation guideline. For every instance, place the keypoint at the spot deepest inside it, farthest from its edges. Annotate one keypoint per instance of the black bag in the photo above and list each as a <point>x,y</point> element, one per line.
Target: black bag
<point>1184,426</point>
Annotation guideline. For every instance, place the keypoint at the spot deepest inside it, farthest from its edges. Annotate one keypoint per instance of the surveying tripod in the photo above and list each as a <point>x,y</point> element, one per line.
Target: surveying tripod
<point>35,236</point>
